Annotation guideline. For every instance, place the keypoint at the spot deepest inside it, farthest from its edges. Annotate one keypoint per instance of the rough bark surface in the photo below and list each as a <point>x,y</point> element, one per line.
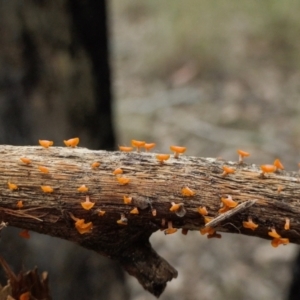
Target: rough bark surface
<point>152,186</point>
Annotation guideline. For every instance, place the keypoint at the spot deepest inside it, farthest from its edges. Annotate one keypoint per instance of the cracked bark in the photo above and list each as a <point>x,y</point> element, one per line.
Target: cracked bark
<point>152,186</point>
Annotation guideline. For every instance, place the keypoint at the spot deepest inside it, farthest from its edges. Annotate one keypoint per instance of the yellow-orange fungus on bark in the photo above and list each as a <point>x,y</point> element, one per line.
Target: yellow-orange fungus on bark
<point>279,241</point>
<point>101,212</point>
<point>207,219</point>
<point>123,180</point>
<point>227,170</point>
<point>177,150</point>
<point>268,168</point>
<point>214,235</point>
<point>208,230</point>
<point>12,186</point>
<point>149,146</point>
<point>202,211</point>
<point>20,204</point>
<point>25,296</point>
<point>82,189</point>
<point>187,192</point>
<point>25,160</point>
<point>24,234</point>
<point>170,228</point>
<point>127,200</point>
<point>224,209</point>
<point>178,209</point>
<point>118,171</point>
<point>72,142</point>
<point>125,149</point>
<point>47,188</point>
<point>229,202</point>
<point>249,224</point>
<point>95,165</point>
<point>287,224</point>
<point>45,143</point>
<point>83,227</point>
<point>123,220</point>
<point>137,144</point>
<point>277,163</point>
<point>162,157</point>
<point>87,204</point>
<point>274,234</point>
<point>134,211</point>
<point>242,154</point>
<point>43,169</point>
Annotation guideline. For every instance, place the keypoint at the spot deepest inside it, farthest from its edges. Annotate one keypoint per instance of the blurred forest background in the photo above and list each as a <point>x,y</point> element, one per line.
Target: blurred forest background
<point>210,75</point>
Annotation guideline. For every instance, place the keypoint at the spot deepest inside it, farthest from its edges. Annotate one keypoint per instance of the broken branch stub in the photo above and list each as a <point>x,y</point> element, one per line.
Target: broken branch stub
<point>51,203</point>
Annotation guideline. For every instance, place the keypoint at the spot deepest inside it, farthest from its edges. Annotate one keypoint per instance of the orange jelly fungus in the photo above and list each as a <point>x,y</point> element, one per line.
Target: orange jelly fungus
<point>170,228</point>
<point>214,235</point>
<point>25,160</point>
<point>125,149</point>
<point>81,226</point>
<point>227,170</point>
<point>206,230</point>
<point>43,169</point>
<point>95,165</point>
<point>279,241</point>
<point>187,192</point>
<point>47,188</point>
<point>45,143</point>
<point>287,224</point>
<point>20,204</point>
<point>72,142</point>
<point>82,189</point>
<point>224,209</point>
<point>12,186</point>
<point>123,220</point>
<point>177,150</point>
<point>202,211</point>
<point>25,296</point>
<point>229,202</point>
<point>87,204</point>
<point>242,154</point>
<point>277,163</point>
<point>123,180</point>
<point>207,219</point>
<point>149,146</point>
<point>175,206</point>
<point>274,234</point>
<point>268,168</point>
<point>127,200</point>
<point>137,144</point>
<point>134,211</point>
<point>162,157</point>
<point>101,212</point>
<point>250,224</point>
<point>118,171</point>
<point>24,234</point>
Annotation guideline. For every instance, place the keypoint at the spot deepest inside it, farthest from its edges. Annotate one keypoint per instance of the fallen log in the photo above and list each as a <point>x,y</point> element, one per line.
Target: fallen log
<point>84,201</point>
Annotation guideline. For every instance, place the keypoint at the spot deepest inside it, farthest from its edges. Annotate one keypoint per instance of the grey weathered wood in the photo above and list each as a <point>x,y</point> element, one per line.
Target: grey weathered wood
<point>152,186</point>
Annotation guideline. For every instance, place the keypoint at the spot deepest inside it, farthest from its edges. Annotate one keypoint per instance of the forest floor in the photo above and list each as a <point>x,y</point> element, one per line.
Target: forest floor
<point>214,79</point>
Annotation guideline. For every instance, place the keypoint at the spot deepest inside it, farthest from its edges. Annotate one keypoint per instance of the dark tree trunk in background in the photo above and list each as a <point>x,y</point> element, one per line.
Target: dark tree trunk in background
<point>90,26</point>
<point>55,84</point>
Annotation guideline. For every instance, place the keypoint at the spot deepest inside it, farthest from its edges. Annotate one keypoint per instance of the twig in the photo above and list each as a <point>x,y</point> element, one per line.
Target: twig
<point>230,213</point>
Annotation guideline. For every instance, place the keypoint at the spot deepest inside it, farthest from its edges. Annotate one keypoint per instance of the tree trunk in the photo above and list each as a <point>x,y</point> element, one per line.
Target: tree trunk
<point>153,186</point>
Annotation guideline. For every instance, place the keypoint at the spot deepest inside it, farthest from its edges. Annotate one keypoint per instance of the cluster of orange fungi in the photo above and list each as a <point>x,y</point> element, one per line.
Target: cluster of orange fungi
<point>227,203</point>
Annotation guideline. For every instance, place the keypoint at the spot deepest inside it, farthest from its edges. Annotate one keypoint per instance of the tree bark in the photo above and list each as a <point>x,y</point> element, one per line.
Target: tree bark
<point>152,186</point>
